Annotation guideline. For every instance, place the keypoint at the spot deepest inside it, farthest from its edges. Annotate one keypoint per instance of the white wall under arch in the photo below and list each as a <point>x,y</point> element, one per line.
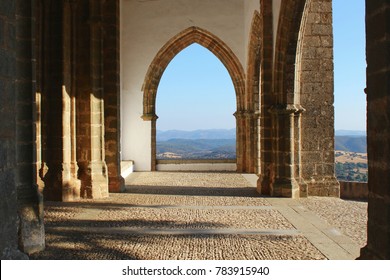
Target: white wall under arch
<point>145,27</point>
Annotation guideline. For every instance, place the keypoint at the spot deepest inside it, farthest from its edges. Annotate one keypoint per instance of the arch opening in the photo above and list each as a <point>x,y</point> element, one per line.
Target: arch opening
<point>174,46</point>
<point>195,104</point>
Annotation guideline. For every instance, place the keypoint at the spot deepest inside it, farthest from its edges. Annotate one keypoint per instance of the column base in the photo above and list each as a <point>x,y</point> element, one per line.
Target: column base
<point>285,188</point>
<point>116,184</point>
<point>303,188</point>
<point>61,191</point>
<point>282,188</point>
<point>323,186</point>
<point>367,254</point>
<point>94,181</point>
<point>31,228</point>
<point>13,254</point>
<point>264,185</point>
<point>97,188</point>
<point>60,184</point>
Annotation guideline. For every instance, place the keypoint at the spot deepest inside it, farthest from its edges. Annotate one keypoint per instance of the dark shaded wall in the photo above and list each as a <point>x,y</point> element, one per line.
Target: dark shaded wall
<point>8,198</point>
<point>21,205</point>
<point>378,129</point>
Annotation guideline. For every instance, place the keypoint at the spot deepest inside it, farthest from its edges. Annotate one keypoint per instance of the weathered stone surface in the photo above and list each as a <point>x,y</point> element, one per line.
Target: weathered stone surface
<point>130,223</point>
<point>67,137</point>
<point>354,190</point>
<point>17,86</point>
<point>378,129</point>
<point>317,98</point>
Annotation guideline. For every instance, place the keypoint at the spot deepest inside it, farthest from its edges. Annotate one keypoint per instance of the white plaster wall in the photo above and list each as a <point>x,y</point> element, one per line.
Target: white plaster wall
<point>232,167</point>
<point>146,26</point>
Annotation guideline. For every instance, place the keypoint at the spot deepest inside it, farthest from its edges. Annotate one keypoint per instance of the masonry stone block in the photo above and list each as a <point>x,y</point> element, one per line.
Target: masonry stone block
<point>381,56</point>
<point>3,36</point>
<point>378,77</point>
<point>7,9</point>
<point>7,67</point>
<point>32,232</point>
<point>6,97</point>
<point>376,32</point>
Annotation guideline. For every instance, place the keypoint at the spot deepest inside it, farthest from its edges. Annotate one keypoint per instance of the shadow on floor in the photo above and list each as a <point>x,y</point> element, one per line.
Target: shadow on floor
<point>193,191</point>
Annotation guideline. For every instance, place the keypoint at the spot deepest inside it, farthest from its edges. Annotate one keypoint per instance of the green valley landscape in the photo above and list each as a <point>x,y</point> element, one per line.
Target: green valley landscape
<point>350,146</point>
<point>197,149</point>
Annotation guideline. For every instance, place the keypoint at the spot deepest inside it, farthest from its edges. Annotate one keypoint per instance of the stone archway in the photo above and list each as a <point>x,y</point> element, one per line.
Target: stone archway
<point>292,135</point>
<point>312,88</point>
<point>286,109</point>
<point>167,53</point>
<point>279,114</point>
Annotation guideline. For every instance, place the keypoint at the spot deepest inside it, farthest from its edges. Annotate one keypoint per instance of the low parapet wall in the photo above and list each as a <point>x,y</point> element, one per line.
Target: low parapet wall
<point>127,167</point>
<point>353,190</point>
<point>222,165</point>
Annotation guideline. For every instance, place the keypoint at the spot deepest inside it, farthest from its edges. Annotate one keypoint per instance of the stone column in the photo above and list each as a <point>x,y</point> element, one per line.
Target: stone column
<point>266,171</point>
<point>303,192</point>
<point>316,82</point>
<point>285,184</point>
<point>112,94</point>
<point>251,141</point>
<point>61,181</point>
<point>240,141</point>
<point>246,141</point>
<point>30,201</point>
<point>153,119</point>
<point>378,129</point>
<point>90,105</point>
<point>257,142</point>
<point>9,226</point>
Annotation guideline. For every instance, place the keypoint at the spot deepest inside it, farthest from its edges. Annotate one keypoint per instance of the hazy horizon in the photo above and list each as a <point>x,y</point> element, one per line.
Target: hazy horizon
<point>161,130</point>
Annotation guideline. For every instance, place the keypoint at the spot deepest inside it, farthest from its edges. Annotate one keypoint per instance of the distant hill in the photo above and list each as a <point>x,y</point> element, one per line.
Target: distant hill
<point>197,149</point>
<point>196,134</point>
<point>221,143</point>
<point>357,144</point>
<point>350,133</point>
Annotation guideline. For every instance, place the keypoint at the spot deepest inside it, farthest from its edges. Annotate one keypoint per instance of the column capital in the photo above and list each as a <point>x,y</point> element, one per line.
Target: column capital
<point>239,114</point>
<point>286,109</point>
<point>149,117</point>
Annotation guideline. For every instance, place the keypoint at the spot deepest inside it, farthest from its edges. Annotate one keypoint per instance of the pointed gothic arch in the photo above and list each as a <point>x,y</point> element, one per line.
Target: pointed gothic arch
<point>167,53</point>
<point>177,44</point>
<point>298,45</point>
<point>285,114</point>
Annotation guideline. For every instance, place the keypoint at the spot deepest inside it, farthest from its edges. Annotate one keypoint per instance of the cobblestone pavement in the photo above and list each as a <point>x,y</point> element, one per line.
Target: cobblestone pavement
<point>347,215</point>
<point>191,216</point>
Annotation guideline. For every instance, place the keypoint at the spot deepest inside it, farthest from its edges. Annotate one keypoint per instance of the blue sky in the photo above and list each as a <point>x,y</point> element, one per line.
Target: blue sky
<point>196,91</point>
<point>350,64</point>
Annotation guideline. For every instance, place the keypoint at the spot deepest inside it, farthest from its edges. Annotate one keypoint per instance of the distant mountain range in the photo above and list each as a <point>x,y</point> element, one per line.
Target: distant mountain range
<point>351,141</point>
<point>196,149</point>
<point>221,143</point>
<point>196,134</point>
<point>226,134</point>
<point>342,132</point>
<point>357,144</point>
<point>196,144</point>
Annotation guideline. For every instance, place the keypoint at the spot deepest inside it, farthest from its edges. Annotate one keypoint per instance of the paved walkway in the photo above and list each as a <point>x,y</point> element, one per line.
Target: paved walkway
<point>203,216</point>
